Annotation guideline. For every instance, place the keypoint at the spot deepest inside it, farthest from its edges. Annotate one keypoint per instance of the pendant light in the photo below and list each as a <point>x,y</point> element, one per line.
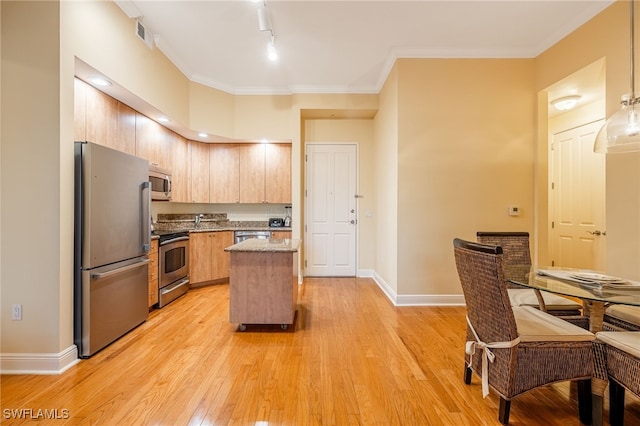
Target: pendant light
<point>621,132</point>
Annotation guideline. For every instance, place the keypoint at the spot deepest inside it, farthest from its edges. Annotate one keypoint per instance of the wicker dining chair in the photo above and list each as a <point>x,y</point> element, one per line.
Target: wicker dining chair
<point>622,359</point>
<point>529,348</point>
<point>621,318</point>
<point>517,263</point>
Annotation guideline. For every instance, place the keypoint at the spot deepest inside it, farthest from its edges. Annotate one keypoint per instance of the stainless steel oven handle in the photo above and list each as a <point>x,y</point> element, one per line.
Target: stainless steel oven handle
<point>174,240</point>
<point>167,290</point>
<point>101,275</point>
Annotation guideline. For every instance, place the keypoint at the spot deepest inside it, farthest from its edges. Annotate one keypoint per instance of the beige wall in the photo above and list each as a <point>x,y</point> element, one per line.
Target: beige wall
<point>35,222</point>
<point>606,37</point>
<point>103,37</point>
<point>465,154</point>
<point>386,183</point>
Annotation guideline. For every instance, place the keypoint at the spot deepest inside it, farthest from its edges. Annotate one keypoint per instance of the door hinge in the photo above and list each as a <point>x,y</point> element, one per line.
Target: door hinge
<point>553,224</point>
<point>553,263</point>
<point>305,263</point>
<point>305,228</point>
<point>306,158</point>
<point>553,185</point>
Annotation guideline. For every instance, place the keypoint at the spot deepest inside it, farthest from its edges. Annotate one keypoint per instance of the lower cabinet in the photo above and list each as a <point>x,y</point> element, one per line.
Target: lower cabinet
<point>280,235</point>
<point>207,259</point>
<point>153,273</point>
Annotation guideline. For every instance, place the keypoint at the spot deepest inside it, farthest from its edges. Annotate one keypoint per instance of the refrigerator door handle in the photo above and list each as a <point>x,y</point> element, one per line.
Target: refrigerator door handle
<point>146,216</point>
<point>101,275</point>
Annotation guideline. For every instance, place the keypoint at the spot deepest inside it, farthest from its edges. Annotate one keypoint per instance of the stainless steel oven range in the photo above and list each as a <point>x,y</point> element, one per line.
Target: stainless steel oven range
<point>173,265</point>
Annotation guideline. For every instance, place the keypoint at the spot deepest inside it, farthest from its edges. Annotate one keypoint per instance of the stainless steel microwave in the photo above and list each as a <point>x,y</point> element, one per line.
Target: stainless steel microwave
<point>160,183</point>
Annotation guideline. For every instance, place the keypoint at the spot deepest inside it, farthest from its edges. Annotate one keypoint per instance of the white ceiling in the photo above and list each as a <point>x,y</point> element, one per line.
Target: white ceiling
<point>345,46</point>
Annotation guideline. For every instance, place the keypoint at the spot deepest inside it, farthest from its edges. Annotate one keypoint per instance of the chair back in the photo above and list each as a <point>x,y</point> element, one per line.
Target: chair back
<point>516,256</point>
<point>485,291</point>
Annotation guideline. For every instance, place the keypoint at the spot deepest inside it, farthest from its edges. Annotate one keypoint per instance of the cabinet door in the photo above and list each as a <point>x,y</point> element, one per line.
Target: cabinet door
<point>126,139</point>
<point>179,164</point>
<point>278,173</point>
<point>200,256</point>
<point>199,172</point>
<point>224,173</point>
<point>252,166</point>
<point>280,235</point>
<point>151,141</point>
<point>102,118</point>
<point>153,273</point>
<point>222,240</point>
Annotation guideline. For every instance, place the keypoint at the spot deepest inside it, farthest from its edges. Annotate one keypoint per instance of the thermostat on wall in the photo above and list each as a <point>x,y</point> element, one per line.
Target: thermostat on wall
<point>514,211</point>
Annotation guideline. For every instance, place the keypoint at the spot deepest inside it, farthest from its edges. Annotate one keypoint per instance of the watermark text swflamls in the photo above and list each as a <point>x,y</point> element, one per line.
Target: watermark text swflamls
<point>35,414</point>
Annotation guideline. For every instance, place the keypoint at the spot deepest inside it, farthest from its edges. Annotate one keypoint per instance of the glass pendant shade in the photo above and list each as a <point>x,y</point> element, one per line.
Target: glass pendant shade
<point>621,132</point>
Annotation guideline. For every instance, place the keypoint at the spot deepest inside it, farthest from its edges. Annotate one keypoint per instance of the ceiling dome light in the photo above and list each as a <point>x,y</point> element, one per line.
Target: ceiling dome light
<point>565,103</point>
<point>203,135</point>
<point>100,81</point>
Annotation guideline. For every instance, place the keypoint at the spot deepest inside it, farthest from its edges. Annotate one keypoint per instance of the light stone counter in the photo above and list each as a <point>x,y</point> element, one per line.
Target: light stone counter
<point>265,245</point>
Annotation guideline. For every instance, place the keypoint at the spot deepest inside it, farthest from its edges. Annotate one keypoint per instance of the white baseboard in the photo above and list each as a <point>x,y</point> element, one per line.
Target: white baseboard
<point>45,363</point>
<point>417,299</point>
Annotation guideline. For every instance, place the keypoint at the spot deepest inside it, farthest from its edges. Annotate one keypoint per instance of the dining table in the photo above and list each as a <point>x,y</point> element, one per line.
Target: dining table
<point>595,290</point>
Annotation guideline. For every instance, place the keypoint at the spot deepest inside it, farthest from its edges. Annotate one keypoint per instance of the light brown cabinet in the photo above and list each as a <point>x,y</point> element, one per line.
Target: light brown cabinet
<point>180,165</point>
<point>265,173</point>
<point>199,156</point>
<point>152,141</point>
<point>263,287</point>
<point>207,259</point>
<point>224,173</point>
<point>102,119</point>
<point>280,235</point>
<point>278,173</point>
<point>252,177</point>
<point>153,273</point>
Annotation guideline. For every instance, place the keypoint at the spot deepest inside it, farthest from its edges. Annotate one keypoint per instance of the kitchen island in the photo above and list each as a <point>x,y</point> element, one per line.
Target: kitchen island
<point>263,282</point>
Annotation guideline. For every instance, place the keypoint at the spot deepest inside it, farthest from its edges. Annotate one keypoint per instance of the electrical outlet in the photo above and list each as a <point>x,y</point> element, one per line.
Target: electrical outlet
<point>16,312</point>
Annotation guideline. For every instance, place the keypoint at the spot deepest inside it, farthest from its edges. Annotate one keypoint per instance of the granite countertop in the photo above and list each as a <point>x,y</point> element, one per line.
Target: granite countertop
<point>264,245</point>
<point>211,222</point>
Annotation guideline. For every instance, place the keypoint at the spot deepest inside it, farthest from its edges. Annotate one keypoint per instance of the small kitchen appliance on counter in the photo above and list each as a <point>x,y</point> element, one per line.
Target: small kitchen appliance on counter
<point>276,222</point>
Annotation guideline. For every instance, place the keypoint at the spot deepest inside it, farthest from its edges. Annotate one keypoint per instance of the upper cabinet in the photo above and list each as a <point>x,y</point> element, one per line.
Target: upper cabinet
<point>224,173</point>
<point>199,158</point>
<point>102,119</point>
<point>179,163</point>
<point>252,177</point>
<point>201,172</point>
<point>152,141</point>
<point>278,173</point>
<point>265,173</point>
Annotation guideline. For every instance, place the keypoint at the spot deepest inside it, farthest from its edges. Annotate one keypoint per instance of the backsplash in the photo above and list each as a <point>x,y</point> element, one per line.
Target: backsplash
<point>187,221</point>
<point>233,212</point>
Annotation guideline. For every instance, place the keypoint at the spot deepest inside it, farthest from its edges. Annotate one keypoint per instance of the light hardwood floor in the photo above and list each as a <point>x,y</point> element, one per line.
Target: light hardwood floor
<point>352,358</point>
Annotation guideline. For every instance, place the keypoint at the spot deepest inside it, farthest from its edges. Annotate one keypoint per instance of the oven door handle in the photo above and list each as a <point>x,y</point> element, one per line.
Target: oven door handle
<point>175,286</point>
<point>101,275</point>
<point>174,240</point>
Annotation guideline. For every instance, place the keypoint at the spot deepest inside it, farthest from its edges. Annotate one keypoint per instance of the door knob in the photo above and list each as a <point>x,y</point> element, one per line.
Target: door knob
<point>597,232</point>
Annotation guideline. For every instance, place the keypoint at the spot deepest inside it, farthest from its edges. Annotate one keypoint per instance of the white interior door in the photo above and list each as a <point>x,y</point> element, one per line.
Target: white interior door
<point>578,197</point>
<point>331,203</point>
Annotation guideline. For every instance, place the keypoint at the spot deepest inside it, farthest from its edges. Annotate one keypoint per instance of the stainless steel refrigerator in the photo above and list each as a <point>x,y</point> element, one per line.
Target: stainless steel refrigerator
<point>111,243</point>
